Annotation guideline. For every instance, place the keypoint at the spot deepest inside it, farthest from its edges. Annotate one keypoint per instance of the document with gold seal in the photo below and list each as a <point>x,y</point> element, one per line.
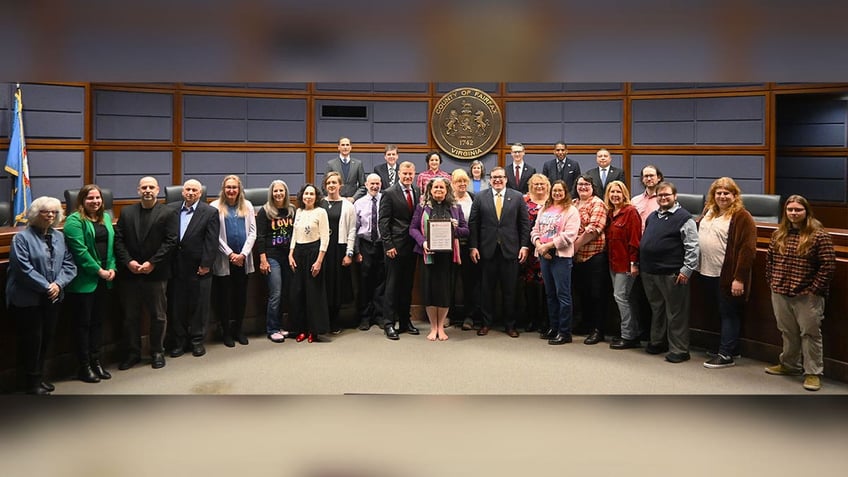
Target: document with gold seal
<point>466,123</point>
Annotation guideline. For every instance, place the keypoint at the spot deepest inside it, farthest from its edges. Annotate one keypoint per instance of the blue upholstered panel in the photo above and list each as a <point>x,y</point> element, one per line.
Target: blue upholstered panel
<point>401,133</point>
<point>663,133</point>
<point>281,86</point>
<point>535,160</point>
<point>671,165</point>
<point>737,167</point>
<point>216,130</point>
<point>811,167</point>
<point>810,110</point>
<point>748,186</point>
<point>735,108</point>
<point>561,87</point>
<point>663,110</point>
<point>133,128</point>
<point>330,131</point>
<point>276,109</point>
<point>121,170</point>
<point>401,87</point>
<point>816,178</point>
<point>487,87</point>
<point>276,131</point>
<point>729,132</point>
<point>220,107</point>
<point>533,133</point>
<point>45,97</point>
<point>592,133</point>
<point>294,180</point>
<point>125,187</point>
<point>121,103</point>
<point>52,124</point>
<point>343,86</point>
<point>400,111</point>
<point>209,162</point>
<point>533,112</point>
<point>831,190</point>
<point>811,135</point>
<point>51,172</point>
<point>666,86</point>
<point>588,111</point>
<point>275,162</point>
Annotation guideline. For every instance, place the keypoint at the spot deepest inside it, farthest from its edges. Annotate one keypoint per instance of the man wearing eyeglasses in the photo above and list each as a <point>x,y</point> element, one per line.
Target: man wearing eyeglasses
<point>499,240</point>
<point>646,202</point>
<point>668,256</point>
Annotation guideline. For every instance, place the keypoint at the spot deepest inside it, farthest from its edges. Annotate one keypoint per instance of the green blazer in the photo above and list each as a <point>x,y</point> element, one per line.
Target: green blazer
<point>79,236</point>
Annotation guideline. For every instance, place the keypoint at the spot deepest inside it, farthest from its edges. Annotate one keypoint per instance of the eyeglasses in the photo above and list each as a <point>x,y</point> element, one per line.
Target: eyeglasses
<point>498,177</point>
<point>48,212</point>
<point>663,196</point>
<point>584,185</point>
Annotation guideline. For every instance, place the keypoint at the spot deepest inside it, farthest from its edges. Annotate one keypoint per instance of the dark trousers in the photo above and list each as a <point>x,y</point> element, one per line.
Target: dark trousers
<point>308,311</point>
<point>400,277</point>
<point>230,299</point>
<point>36,326</point>
<point>188,316</point>
<point>372,281</point>
<point>590,280</point>
<point>139,295</point>
<point>504,271</point>
<point>89,312</point>
<point>730,313</point>
<point>469,273</point>
<point>640,309</point>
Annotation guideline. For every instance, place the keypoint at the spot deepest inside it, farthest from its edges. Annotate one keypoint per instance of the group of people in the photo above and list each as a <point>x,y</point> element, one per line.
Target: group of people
<point>547,237</point>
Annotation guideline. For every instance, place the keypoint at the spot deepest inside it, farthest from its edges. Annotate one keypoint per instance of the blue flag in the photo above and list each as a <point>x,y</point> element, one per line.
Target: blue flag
<point>16,165</point>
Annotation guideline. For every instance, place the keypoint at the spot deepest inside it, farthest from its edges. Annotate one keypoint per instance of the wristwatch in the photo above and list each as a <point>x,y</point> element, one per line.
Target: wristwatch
<point>350,254</point>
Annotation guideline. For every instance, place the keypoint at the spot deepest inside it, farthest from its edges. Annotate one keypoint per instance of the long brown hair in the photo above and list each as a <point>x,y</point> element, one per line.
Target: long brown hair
<point>729,185</point>
<point>808,227</point>
<point>566,201</point>
<point>83,193</point>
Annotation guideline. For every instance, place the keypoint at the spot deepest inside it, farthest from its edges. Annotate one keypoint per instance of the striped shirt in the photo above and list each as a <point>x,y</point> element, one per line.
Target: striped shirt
<point>791,274</point>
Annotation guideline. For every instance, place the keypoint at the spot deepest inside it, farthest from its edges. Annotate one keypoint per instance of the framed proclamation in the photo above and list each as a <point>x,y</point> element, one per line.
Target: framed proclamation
<point>440,235</point>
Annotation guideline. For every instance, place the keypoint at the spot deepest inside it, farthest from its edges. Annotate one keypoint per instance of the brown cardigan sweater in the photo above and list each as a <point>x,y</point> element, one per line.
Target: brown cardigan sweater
<point>740,253</point>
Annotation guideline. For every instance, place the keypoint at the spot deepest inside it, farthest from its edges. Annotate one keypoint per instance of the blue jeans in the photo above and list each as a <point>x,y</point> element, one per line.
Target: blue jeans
<point>278,281</point>
<point>730,312</point>
<point>556,274</point>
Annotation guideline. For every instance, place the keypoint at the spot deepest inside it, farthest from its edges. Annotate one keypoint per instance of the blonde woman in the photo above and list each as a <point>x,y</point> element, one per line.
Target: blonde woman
<point>623,233</point>
<point>235,260</point>
<point>467,270</point>
<point>341,215</point>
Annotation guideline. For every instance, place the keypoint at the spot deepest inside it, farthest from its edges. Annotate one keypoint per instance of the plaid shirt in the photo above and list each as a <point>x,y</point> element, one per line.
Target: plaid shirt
<point>593,218</point>
<point>791,274</point>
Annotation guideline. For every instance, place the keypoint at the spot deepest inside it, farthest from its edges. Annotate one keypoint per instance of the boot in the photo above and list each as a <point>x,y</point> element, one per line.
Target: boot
<point>86,374</point>
<point>226,335</point>
<point>238,334</point>
<point>99,370</point>
<point>33,386</point>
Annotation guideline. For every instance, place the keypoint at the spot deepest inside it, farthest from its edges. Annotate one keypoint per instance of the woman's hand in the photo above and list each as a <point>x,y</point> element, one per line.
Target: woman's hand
<point>737,288</point>
<point>316,268</point>
<point>426,248</point>
<point>264,267</point>
<point>292,262</point>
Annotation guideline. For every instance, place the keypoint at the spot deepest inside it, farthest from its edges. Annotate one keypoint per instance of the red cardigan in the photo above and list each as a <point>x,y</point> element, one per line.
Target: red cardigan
<point>623,233</point>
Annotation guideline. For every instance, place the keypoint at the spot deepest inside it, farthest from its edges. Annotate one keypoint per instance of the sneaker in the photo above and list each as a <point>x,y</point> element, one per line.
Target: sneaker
<point>277,337</point>
<point>812,382</point>
<point>713,354</point>
<point>720,361</point>
<point>781,370</point>
<point>336,330</point>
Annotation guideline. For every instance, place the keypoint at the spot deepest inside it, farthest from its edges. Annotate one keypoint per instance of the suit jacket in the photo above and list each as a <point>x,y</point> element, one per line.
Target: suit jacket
<point>395,217</point>
<point>383,171</point>
<point>154,245</point>
<point>354,184</point>
<point>199,245</point>
<point>614,174</point>
<point>512,231</point>
<point>526,172</point>
<point>570,173</point>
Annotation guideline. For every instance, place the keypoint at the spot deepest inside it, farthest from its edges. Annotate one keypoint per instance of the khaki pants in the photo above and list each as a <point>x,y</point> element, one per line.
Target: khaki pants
<point>799,321</point>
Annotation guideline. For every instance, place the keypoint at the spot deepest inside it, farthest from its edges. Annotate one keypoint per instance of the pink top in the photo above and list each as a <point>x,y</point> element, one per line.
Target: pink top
<point>557,225</point>
<point>426,176</point>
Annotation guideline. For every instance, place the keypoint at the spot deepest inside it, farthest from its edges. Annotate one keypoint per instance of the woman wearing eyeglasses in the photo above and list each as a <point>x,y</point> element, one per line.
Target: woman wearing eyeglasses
<point>40,268</point>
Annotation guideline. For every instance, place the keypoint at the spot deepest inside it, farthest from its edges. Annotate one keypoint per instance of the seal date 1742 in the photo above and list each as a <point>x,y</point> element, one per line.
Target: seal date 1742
<point>466,123</point>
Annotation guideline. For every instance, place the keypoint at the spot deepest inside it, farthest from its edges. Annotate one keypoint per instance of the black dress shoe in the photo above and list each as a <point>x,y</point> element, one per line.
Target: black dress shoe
<point>548,335</point>
<point>129,363</point>
<point>530,327</point>
<point>483,331</point>
<point>391,333</point>
<point>158,360</point>
<point>621,343</point>
<point>677,357</point>
<point>49,387</point>
<point>410,328</point>
<point>512,332</point>
<point>595,338</point>
<point>198,350</point>
<point>98,369</point>
<point>560,339</point>
<point>176,352</point>
<point>242,339</point>
<point>87,375</point>
<point>229,342</point>
<point>365,325</point>
<point>656,349</point>
<point>38,391</point>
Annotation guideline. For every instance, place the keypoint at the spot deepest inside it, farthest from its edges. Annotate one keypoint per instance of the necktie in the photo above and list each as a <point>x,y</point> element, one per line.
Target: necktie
<point>559,166</point>
<point>517,176</point>
<point>391,176</point>
<point>603,177</point>
<point>373,219</point>
<point>409,199</point>
<point>498,204</point>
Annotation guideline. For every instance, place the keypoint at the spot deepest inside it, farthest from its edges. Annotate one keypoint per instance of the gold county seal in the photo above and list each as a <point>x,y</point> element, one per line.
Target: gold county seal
<point>466,123</point>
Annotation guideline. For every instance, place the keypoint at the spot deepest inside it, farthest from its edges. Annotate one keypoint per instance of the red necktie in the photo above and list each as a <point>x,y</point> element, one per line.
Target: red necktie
<point>517,175</point>
<point>409,199</point>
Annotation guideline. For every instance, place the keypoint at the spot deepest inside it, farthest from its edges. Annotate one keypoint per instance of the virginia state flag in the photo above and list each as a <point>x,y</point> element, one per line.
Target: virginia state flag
<point>16,165</point>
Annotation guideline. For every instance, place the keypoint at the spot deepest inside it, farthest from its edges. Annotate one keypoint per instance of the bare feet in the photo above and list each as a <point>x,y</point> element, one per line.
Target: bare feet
<point>443,336</point>
<point>432,336</point>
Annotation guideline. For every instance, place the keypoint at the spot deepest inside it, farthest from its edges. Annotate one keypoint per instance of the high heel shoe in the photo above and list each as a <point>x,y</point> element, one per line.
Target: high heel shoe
<point>310,338</point>
<point>300,337</point>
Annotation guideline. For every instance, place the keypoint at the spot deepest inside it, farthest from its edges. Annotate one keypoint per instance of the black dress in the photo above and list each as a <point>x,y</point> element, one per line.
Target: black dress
<point>437,277</point>
<point>336,277</point>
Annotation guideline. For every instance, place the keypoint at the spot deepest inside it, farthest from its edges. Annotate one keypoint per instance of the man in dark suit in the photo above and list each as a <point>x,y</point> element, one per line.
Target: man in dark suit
<point>562,168</point>
<point>388,172</point>
<point>518,174</point>
<point>500,240</point>
<point>190,287</point>
<point>395,214</point>
<point>604,173</point>
<point>351,170</point>
<point>145,237</point>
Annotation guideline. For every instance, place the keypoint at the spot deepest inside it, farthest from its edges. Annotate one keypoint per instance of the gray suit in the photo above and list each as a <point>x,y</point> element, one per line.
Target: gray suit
<point>353,184</point>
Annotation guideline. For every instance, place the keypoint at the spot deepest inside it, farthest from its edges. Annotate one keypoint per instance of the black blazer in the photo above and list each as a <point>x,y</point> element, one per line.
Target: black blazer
<point>570,173</point>
<point>526,172</point>
<point>395,217</point>
<point>153,245</point>
<point>383,171</point>
<point>512,231</point>
<point>614,174</point>
<point>199,245</point>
